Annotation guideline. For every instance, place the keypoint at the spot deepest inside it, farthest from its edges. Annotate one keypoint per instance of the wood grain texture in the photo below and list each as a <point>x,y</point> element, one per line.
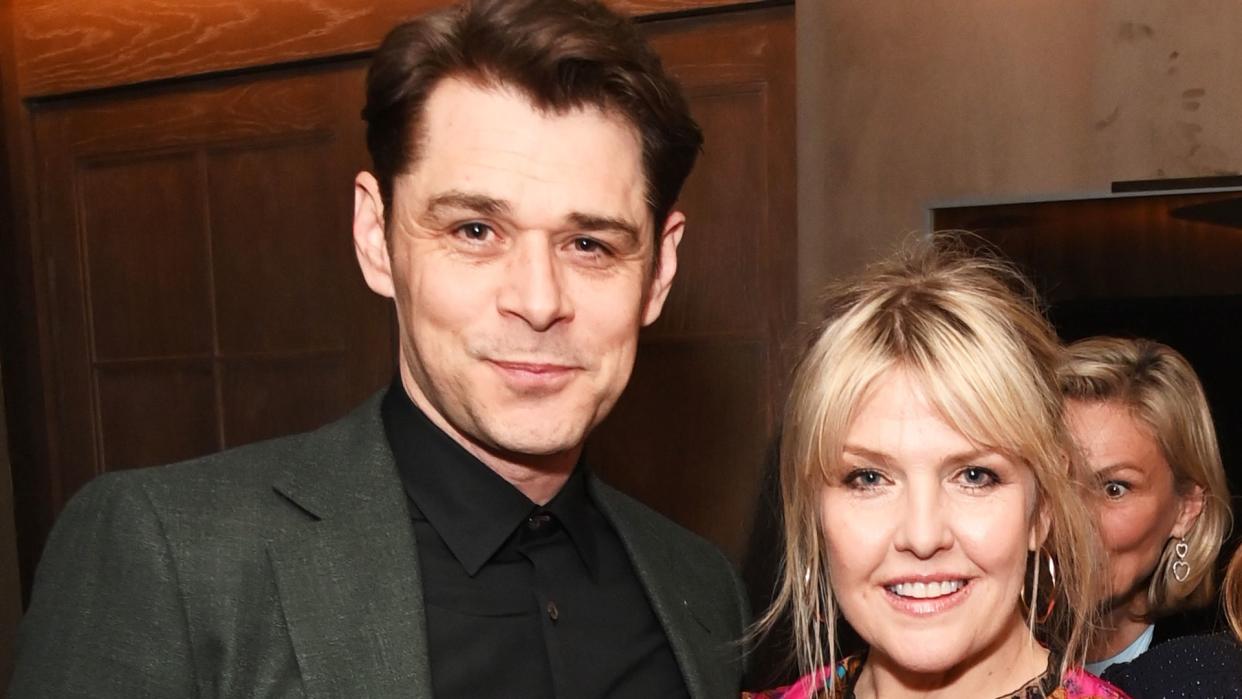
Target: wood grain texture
<point>68,46</point>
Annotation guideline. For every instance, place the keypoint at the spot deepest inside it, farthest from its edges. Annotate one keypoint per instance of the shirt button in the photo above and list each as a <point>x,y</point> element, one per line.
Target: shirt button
<point>553,612</point>
<point>537,521</point>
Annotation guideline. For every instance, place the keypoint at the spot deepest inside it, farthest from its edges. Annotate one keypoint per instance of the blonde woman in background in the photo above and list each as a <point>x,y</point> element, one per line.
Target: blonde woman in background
<point>929,496</point>
<point>1138,412</point>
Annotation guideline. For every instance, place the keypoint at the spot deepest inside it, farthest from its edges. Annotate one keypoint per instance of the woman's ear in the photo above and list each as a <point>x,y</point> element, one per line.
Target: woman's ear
<point>1192,507</point>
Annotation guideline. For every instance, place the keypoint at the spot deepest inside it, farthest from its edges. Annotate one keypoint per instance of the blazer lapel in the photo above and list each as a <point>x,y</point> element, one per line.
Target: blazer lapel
<point>668,584</point>
<point>348,577</point>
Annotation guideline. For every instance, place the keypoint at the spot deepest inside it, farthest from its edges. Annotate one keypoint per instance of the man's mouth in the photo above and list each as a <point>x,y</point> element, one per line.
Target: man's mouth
<point>532,367</point>
<point>534,377</point>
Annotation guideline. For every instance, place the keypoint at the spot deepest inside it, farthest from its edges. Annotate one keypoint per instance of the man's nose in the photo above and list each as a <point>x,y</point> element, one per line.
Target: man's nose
<point>923,528</point>
<point>534,288</point>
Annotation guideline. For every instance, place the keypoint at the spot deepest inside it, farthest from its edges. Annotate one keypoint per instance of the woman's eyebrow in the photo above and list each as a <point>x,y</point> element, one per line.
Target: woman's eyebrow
<point>868,454</point>
<point>1120,467</point>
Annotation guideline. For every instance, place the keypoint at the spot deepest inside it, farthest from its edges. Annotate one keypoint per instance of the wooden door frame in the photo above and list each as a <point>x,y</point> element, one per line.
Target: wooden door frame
<point>12,231</point>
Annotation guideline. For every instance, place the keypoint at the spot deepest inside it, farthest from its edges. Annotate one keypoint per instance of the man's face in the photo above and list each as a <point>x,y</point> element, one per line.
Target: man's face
<point>519,255</point>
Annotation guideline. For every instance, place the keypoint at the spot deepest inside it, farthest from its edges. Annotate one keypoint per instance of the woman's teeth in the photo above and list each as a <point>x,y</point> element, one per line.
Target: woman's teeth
<point>918,590</point>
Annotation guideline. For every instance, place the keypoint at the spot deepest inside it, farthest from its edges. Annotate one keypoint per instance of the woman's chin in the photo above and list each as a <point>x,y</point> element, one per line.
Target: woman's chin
<point>921,660</point>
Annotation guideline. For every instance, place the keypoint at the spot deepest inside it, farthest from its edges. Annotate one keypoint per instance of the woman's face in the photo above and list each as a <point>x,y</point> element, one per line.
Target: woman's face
<point>927,534</point>
<point>1137,501</point>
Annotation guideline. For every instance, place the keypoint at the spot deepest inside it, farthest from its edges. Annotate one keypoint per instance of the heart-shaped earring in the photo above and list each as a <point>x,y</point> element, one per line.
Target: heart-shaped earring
<point>1181,569</point>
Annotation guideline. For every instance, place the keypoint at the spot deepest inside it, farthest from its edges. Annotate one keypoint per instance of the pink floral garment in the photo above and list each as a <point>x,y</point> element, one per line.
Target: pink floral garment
<point>1077,684</point>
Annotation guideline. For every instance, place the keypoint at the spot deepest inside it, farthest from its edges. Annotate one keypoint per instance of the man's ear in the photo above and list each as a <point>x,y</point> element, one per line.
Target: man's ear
<point>666,255</point>
<point>370,243</point>
<point>1192,507</point>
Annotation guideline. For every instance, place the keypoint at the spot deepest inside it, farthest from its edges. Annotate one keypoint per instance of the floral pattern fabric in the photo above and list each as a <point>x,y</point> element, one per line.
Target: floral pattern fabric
<point>839,684</point>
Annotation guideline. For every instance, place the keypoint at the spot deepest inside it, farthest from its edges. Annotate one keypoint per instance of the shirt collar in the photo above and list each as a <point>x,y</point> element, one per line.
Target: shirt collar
<point>469,505</point>
<point>573,508</point>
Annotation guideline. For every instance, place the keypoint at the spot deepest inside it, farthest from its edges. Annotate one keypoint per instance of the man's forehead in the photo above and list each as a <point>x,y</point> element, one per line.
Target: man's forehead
<point>496,87</point>
<point>453,96</point>
<point>494,143</point>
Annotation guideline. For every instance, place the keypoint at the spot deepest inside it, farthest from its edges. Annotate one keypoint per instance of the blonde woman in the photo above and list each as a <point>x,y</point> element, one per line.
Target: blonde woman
<point>1138,413</point>
<point>929,496</point>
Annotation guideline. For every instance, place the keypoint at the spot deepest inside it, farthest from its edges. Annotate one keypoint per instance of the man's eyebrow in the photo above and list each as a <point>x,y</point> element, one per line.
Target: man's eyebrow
<point>595,222</point>
<point>478,203</point>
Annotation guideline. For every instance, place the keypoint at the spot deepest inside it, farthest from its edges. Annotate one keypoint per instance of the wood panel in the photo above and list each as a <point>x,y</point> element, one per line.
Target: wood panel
<point>150,304</point>
<point>198,267</point>
<point>67,46</point>
<point>689,434</point>
<point>151,412</point>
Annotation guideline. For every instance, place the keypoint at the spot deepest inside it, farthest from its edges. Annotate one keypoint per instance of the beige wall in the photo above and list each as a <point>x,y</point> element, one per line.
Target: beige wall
<point>905,105</point>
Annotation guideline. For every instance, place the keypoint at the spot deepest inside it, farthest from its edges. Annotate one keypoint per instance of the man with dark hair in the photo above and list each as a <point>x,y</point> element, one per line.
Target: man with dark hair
<point>445,538</point>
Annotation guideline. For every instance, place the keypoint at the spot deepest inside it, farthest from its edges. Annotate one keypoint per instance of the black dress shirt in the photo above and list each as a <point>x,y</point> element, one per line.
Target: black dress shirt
<point>521,600</point>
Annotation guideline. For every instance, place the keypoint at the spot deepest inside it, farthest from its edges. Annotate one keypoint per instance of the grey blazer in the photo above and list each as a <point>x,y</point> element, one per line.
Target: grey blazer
<point>289,568</point>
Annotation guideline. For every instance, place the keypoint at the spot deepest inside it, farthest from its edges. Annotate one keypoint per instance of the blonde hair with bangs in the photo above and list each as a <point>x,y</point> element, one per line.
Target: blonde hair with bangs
<point>969,328</point>
<point>1160,389</point>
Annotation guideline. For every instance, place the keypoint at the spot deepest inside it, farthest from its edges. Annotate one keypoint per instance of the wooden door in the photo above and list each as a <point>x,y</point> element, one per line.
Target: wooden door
<point>200,280</point>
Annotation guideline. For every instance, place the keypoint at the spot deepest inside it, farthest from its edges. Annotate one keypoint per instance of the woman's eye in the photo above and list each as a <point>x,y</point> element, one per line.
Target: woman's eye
<point>1115,490</point>
<point>864,478</point>
<point>978,477</point>
<point>474,231</point>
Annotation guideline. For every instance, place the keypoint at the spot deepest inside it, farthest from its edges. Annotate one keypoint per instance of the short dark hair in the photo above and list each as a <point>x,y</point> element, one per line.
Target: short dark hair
<point>561,54</point>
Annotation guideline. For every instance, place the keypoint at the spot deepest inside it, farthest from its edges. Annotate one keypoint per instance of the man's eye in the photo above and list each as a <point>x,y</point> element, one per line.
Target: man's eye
<point>1115,490</point>
<point>588,245</point>
<point>978,477</point>
<point>474,231</point>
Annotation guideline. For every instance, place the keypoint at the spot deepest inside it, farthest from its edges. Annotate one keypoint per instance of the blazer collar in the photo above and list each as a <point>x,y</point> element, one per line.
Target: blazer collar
<point>671,586</point>
<point>348,577</point>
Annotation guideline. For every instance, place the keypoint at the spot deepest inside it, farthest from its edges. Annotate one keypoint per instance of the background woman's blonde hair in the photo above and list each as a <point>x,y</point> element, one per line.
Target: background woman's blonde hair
<point>1161,390</point>
<point>970,329</point>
